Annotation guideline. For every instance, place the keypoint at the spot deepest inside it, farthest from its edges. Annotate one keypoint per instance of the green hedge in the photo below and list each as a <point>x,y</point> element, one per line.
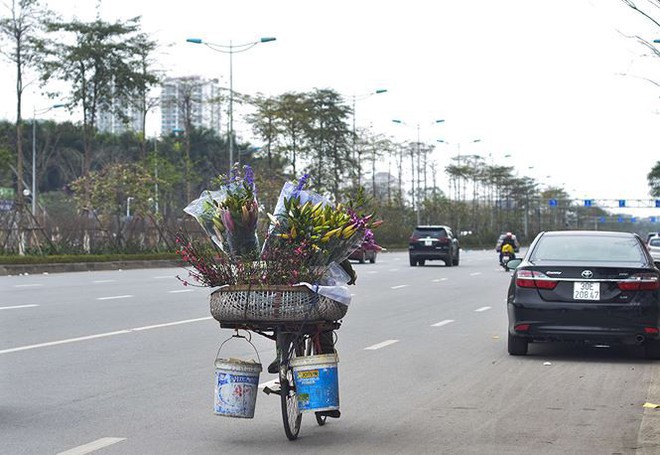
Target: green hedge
<point>69,258</point>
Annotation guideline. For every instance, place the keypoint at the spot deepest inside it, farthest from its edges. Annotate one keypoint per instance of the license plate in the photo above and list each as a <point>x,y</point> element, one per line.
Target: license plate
<point>586,290</point>
<point>428,242</point>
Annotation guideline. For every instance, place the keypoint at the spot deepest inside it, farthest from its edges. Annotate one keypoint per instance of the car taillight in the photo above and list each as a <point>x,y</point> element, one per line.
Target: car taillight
<point>414,238</point>
<point>640,282</point>
<point>533,279</point>
<point>443,240</point>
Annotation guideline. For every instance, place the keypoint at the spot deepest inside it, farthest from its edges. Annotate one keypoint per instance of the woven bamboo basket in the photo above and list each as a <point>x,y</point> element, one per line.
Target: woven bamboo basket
<point>273,304</point>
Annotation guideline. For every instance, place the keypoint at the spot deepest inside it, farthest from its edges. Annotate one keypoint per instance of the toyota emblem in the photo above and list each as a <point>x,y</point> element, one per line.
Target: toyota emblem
<point>587,274</point>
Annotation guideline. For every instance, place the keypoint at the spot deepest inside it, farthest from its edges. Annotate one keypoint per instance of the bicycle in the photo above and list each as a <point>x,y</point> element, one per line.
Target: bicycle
<point>292,340</point>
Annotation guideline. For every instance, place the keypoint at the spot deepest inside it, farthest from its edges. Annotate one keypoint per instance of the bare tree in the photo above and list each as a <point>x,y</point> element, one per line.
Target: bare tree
<point>19,28</point>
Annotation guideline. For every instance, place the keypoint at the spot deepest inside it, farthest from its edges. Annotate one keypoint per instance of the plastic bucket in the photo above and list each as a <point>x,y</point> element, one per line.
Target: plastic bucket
<point>316,378</point>
<point>236,387</point>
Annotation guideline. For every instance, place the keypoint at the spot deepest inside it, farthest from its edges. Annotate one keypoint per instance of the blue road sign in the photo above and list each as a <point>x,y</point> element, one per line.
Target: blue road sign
<point>552,202</point>
<point>588,202</point>
<point>622,202</point>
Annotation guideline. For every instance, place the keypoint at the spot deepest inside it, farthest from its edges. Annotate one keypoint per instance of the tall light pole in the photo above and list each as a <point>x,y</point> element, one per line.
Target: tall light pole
<point>231,49</point>
<point>36,111</point>
<point>360,98</point>
<point>412,163</point>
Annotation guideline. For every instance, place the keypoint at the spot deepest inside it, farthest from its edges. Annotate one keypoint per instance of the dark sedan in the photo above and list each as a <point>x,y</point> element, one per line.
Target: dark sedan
<point>587,286</point>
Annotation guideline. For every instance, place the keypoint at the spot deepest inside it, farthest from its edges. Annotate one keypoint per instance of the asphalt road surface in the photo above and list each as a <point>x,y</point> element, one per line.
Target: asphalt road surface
<point>121,362</point>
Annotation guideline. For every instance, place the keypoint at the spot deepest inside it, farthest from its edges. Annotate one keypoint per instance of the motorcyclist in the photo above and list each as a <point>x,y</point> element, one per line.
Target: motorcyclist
<point>509,245</point>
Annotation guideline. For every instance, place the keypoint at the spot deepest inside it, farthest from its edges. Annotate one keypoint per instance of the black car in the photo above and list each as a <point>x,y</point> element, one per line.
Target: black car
<point>594,287</point>
<point>429,243</point>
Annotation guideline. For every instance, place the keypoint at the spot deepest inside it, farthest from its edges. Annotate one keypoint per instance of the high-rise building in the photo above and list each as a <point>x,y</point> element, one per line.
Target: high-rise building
<point>193,97</point>
<point>131,119</point>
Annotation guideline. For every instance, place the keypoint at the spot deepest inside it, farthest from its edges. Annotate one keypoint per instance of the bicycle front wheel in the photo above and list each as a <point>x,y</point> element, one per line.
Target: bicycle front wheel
<point>288,348</point>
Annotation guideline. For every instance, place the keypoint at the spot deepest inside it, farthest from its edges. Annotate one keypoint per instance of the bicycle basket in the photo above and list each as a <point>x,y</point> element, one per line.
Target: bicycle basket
<point>238,304</point>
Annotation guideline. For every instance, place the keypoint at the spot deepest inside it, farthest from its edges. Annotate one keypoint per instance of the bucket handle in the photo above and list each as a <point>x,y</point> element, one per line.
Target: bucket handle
<point>247,338</point>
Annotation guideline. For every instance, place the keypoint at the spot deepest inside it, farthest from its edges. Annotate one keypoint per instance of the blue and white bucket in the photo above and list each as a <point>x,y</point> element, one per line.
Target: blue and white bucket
<point>316,378</point>
<point>236,386</point>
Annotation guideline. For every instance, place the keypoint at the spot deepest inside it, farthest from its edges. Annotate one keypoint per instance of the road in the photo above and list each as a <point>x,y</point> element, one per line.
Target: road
<point>121,362</point>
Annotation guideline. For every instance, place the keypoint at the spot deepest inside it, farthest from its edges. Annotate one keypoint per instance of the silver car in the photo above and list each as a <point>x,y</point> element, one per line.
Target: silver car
<point>654,249</point>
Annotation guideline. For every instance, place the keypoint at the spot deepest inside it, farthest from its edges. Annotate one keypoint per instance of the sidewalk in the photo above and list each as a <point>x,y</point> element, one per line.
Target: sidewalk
<point>18,269</point>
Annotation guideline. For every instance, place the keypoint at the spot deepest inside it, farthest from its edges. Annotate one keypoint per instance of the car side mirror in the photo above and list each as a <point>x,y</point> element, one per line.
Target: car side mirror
<point>513,264</point>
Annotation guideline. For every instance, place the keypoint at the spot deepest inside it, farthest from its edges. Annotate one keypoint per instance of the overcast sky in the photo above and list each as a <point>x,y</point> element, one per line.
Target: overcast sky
<point>554,84</point>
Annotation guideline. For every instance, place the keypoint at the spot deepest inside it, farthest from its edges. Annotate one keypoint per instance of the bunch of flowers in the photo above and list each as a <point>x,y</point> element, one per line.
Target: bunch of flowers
<point>230,214</point>
<point>307,233</point>
<point>309,225</point>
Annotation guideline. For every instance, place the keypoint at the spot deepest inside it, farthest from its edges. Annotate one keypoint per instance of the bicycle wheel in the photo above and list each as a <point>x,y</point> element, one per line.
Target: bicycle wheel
<point>289,347</point>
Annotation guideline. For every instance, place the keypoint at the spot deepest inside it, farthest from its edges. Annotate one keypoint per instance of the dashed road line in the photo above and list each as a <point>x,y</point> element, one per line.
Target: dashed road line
<point>92,446</point>
<point>179,291</point>
<point>70,340</point>
<point>381,345</point>
<point>34,285</point>
<point>400,286</point>
<point>475,273</point>
<point>15,307</point>
<point>163,277</point>
<point>441,323</point>
<point>437,280</point>
<point>169,324</point>
<point>101,335</point>
<point>483,308</point>
<point>103,281</point>
<point>114,297</point>
<point>393,270</point>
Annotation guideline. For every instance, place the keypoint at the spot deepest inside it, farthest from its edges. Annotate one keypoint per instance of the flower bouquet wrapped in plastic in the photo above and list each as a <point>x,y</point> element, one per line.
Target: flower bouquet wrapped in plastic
<point>308,224</point>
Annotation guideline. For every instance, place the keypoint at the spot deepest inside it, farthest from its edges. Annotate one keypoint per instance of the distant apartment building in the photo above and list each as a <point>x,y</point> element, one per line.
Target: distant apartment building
<point>189,96</point>
<point>110,121</point>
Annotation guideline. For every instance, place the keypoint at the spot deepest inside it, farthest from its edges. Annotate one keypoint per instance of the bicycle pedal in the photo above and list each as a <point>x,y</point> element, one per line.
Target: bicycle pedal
<point>268,391</point>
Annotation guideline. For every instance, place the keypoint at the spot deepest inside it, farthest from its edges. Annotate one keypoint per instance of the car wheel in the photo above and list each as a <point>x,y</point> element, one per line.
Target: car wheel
<point>413,263</point>
<point>372,259</point>
<point>457,259</point>
<point>652,349</point>
<point>363,257</point>
<point>517,345</point>
<point>449,261</point>
<point>421,261</point>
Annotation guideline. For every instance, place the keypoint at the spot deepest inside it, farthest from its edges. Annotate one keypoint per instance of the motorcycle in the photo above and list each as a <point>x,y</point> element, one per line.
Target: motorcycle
<point>507,255</point>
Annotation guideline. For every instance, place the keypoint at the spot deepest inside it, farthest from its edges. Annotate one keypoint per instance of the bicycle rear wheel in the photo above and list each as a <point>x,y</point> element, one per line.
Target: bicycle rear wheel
<point>288,347</point>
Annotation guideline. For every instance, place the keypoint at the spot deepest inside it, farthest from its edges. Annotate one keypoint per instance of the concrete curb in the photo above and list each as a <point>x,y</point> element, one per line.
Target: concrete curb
<point>18,269</point>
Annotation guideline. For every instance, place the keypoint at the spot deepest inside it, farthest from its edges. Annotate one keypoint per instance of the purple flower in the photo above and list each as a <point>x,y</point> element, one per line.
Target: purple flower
<point>249,175</point>
<point>302,182</point>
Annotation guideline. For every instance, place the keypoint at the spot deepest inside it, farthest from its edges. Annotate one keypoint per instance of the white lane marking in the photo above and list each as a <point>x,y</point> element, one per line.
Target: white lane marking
<point>70,340</point>
<point>100,335</point>
<point>270,384</point>
<point>436,280</point>
<point>163,276</point>
<point>400,286</point>
<point>393,270</point>
<point>483,308</point>
<point>92,446</point>
<point>169,324</point>
<point>381,345</point>
<point>104,281</point>
<point>34,285</point>
<point>178,291</point>
<point>475,273</point>
<point>441,323</point>
<point>372,271</point>
<point>128,296</point>
<point>17,306</point>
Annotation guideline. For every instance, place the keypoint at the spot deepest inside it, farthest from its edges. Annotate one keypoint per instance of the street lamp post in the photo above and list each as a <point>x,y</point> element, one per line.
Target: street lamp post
<point>231,49</point>
<point>412,163</point>
<point>360,98</point>
<point>34,152</point>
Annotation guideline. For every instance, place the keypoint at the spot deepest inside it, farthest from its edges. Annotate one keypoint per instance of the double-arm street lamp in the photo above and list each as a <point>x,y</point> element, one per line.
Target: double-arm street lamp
<point>36,111</point>
<point>230,49</point>
<point>412,162</point>
<point>356,98</point>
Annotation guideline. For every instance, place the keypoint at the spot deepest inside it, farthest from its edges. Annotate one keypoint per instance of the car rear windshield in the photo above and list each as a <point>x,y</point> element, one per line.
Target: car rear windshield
<point>654,242</point>
<point>435,233</point>
<point>585,248</point>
